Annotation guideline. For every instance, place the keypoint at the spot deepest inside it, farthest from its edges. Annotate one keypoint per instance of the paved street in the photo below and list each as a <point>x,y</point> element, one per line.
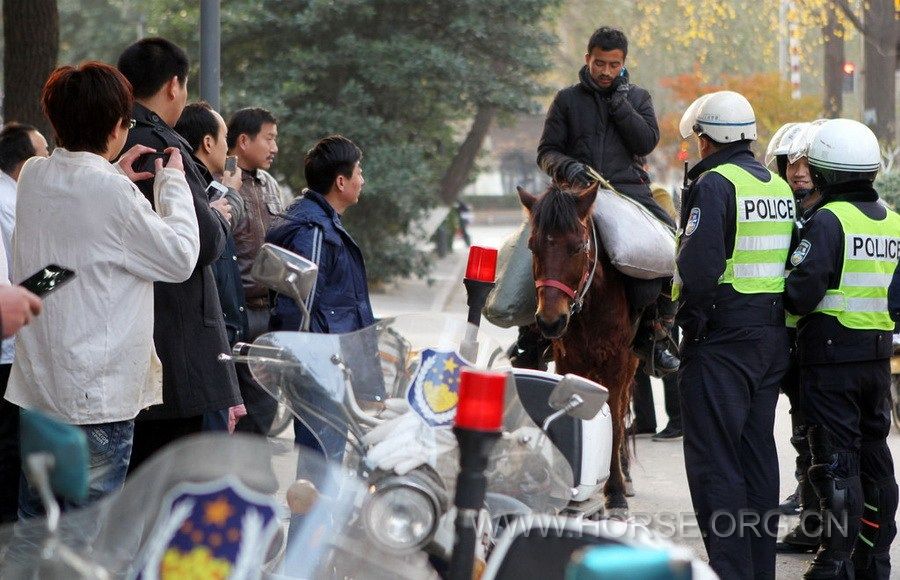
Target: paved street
<point>658,469</point>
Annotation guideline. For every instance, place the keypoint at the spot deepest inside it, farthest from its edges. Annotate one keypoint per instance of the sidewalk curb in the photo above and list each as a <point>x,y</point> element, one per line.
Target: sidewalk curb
<point>443,295</point>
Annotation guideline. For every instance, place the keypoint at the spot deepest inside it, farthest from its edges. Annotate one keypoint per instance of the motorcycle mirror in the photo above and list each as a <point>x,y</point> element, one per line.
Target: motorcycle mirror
<point>578,397</point>
<point>56,461</point>
<point>285,272</point>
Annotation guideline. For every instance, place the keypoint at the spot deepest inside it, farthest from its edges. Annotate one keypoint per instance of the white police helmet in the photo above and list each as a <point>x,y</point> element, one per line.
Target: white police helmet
<point>843,150</point>
<point>723,116</point>
<point>781,141</point>
<point>791,143</point>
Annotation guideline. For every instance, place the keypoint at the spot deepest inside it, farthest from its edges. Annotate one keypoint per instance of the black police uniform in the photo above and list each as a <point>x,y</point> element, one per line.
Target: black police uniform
<point>805,535</point>
<point>734,355</point>
<point>845,382</point>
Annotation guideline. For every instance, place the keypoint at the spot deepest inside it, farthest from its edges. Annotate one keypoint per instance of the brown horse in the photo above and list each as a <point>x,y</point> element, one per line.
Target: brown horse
<point>582,307</point>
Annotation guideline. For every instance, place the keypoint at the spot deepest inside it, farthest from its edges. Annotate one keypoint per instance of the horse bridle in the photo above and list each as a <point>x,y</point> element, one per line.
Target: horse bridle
<point>586,278</point>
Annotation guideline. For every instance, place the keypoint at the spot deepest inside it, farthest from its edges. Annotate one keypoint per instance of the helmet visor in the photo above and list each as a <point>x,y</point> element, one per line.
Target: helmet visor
<point>689,119</point>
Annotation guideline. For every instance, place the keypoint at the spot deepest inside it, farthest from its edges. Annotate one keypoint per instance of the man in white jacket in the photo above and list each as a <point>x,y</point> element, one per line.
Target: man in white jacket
<point>89,359</point>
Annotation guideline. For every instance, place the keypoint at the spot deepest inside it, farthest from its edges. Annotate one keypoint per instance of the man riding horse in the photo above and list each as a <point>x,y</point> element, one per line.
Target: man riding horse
<point>608,124</point>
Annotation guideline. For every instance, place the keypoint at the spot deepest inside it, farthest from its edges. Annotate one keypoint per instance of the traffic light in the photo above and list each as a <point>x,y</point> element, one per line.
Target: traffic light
<point>848,74</point>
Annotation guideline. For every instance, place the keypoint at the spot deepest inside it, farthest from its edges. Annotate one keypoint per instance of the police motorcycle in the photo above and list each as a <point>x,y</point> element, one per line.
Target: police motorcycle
<point>387,421</point>
<point>207,506</point>
<point>380,401</point>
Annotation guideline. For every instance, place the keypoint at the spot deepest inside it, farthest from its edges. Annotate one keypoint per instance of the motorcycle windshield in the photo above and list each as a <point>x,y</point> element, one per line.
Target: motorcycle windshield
<point>211,505</point>
<point>344,386</point>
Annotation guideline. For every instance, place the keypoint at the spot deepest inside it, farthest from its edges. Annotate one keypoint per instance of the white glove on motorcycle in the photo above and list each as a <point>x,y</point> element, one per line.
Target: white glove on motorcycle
<point>406,442</point>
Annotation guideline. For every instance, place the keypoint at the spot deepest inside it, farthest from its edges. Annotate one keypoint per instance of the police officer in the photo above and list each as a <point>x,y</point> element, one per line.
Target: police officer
<point>788,149</point>
<point>839,285</point>
<point>735,232</point>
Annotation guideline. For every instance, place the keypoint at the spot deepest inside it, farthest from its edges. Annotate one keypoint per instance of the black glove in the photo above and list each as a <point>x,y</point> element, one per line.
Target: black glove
<point>620,88</point>
<point>576,174</point>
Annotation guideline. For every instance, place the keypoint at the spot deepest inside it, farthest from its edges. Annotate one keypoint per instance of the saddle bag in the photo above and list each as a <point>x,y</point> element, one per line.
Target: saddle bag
<point>513,300</point>
<point>638,244</point>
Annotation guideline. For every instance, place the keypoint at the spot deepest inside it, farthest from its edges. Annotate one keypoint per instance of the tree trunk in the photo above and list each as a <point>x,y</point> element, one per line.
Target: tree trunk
<point>833,62</point>
<point>31,32</point>
<point>880,63</point>
<point>457,174</point>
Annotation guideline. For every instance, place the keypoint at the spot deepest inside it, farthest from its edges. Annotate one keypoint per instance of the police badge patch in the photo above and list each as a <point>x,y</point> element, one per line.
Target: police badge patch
<point>215,529</point>
<point>800,253</point>
<point>433,392</point>
<point>693,221</point>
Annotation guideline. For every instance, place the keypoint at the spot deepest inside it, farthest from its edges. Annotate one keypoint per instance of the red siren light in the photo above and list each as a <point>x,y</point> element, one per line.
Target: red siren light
<point>482,264</point>
<point>481,400</point>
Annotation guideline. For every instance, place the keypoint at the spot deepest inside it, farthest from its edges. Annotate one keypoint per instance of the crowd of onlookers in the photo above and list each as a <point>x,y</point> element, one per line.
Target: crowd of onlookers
<point>160,208</point>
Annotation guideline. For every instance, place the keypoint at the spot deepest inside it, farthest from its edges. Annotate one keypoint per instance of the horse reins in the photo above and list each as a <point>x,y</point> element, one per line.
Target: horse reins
<point>586,278</point>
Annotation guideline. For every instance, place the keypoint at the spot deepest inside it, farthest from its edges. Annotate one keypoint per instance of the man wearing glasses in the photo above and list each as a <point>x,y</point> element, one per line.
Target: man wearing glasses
<point>89,358</point>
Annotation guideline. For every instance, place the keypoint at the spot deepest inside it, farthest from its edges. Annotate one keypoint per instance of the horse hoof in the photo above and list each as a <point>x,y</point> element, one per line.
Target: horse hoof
<point>618,514</point>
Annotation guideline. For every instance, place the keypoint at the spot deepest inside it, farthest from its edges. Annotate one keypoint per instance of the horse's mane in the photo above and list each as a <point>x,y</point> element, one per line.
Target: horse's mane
<point>555,212</point>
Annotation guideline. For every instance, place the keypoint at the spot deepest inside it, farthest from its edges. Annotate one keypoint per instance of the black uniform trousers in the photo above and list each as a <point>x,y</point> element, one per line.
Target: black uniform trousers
<point>790,386</point>
<point>850,402</point>
<point>729,385</point>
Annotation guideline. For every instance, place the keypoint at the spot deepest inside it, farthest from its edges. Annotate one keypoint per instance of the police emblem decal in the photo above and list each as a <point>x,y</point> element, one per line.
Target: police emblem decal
<point>218,528</point>
<point>693,221</point>
<point>433,391</point>
<point>800,253</point>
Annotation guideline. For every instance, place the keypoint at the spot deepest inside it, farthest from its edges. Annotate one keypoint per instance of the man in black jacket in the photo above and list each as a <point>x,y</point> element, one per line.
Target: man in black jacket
<point>609,124</point>
<point>189,330</point>
<point>604,122</point>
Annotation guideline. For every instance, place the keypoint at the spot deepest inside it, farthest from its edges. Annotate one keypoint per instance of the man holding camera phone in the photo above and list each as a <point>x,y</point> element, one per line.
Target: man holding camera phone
<point>189,329</point>
<point>89,359</point>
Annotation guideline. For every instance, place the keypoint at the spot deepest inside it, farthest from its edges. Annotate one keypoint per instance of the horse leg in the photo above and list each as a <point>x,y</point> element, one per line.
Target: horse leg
<point>614,489</point>
<point>626,466</point>
<point>620,381</point>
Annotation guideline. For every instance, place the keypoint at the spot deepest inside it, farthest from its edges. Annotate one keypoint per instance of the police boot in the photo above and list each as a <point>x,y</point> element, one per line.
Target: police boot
<point>871,557</point>
<point>529,351</point>
<point>806,534</point>
<point>791,504</point>
<point>840,518</point>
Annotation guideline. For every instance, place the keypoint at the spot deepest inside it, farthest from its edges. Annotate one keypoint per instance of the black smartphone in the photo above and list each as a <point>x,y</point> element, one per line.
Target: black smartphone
<point>147,161</point>
<point>47,280</point>
<point>230,163</point>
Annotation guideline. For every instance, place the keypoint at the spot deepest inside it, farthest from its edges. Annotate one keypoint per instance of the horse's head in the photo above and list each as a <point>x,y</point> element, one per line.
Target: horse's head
<point>564,254</point>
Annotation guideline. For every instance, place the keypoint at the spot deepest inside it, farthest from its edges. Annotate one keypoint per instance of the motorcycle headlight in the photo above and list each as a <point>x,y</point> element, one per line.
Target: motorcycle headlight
<point>401,513</point>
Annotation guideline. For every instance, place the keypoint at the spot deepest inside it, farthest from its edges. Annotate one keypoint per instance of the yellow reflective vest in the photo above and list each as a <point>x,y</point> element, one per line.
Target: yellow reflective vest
<point>871,251</point>
<point>764,222</point>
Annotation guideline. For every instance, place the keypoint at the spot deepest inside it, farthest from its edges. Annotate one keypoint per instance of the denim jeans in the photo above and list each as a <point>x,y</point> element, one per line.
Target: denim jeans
<point>109,447</point>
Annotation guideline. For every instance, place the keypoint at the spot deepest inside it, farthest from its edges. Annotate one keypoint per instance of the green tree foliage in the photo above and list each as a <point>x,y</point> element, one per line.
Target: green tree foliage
<point>401,78</point>
<point>888,187</point>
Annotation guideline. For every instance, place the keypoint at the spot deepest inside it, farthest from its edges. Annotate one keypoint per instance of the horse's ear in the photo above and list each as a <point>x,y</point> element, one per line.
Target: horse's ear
<point>586,200</point>
<point>526,198</point>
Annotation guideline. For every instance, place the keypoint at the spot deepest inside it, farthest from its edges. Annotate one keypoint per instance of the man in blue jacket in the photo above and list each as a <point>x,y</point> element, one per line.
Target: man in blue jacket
<point>339,300</point>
